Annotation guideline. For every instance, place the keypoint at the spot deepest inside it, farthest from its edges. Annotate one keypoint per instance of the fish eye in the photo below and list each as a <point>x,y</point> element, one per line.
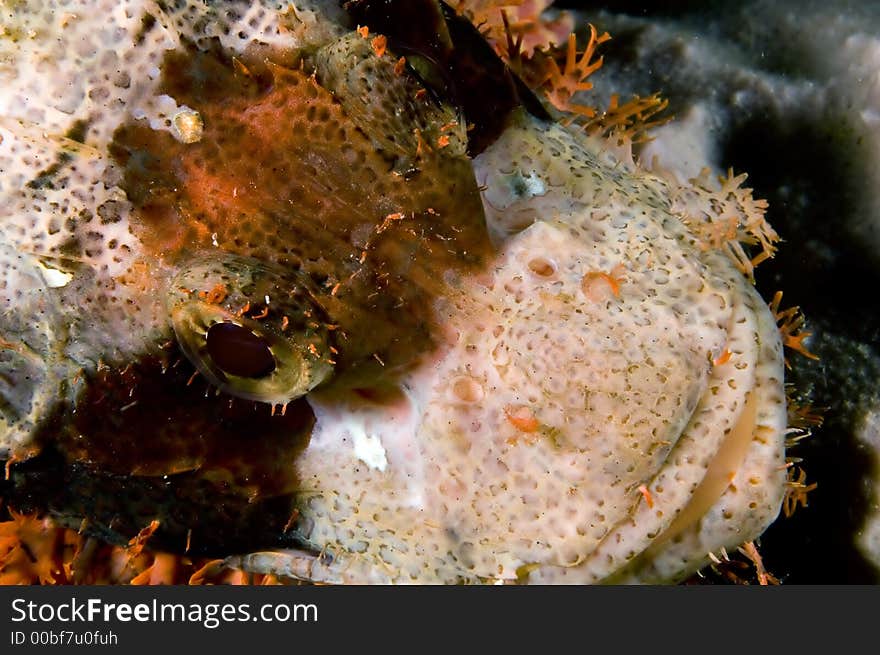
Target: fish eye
<point>253,330</point>
<point>238,351</point>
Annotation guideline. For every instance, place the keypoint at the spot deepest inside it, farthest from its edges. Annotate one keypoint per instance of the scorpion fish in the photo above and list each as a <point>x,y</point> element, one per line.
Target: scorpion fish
<point>268,279</point>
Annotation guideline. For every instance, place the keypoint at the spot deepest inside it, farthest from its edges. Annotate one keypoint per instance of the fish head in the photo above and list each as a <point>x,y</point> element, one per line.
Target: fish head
<point>260,286</point>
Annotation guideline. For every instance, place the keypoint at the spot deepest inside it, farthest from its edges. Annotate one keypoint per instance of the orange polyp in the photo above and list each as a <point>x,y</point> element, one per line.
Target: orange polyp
<point>723,358</point>
<point>750,550</point>
<point>791,327</point>
<point>646,494</point>
<point>562,85</point>
<point>139,541</point>
<point>391,218</point>
<point>216,295</point>
<point>631,120</point>
<point>522,418</point>
<point>597,285</point>
<point>379,44</point>
<point>796,490</point>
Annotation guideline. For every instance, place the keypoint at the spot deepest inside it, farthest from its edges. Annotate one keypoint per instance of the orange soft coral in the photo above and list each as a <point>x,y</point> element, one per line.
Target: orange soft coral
<point>525,19</point>
<point>796,490</point>
<point>791,327</point>
<point>629,122</point>
<point>560,85</point>
<point>35,550</point>
<point>724,216</point>
<point>543,51</point>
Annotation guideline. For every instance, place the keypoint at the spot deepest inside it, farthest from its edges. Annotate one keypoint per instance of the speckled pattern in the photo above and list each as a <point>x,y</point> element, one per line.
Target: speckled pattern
<point>602,397</point>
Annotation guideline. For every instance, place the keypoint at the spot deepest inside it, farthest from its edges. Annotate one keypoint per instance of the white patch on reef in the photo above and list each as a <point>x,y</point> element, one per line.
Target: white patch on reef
<point>54,278</point>
<point>368,448</point>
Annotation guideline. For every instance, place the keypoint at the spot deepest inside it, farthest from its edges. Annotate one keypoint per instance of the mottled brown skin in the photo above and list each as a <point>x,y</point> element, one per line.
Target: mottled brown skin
<point>283,176</point>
